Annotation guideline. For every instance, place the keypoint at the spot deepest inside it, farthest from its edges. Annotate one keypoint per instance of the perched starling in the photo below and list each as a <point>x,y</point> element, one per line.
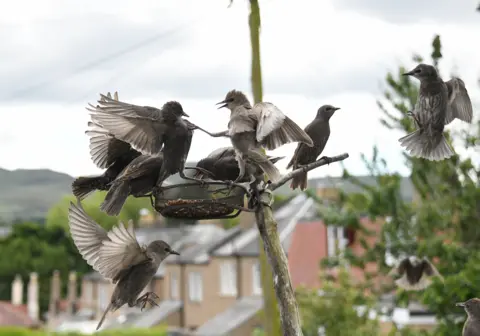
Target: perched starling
<point>137,179</point>
<point>438,104</point>
<point>106,152</point>
<point>223,166</point>
<point>472,324</point>
<point>415,273</point>
<point>319,132</point>
<point>118,257</point>
<point>264,124</point>
<point>149,130</point>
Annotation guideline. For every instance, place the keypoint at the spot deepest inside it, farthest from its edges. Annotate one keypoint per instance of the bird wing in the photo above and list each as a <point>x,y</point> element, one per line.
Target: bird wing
<point>139,167</point>
<point>107,252</point>
<point>319,136</point>
<point>143,127</point>
<point>401,268</point>
<point>276,129</point>
<point>459,103</point>
<point>429,269</point>
<point>105,149</point>
<point>242,119</point>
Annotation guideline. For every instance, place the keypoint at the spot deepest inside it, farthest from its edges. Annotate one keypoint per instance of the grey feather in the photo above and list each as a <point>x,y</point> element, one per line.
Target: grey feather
<point>459,103</point>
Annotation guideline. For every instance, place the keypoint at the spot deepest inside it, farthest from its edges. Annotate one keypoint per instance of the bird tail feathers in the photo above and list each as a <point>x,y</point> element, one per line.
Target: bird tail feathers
<point>104,315</point>
<point>300,180</point>
<point>420,145</point>
<point>265,164</point>
<point>84,186</point>
<point>116,197</point>
<point>288,132</point>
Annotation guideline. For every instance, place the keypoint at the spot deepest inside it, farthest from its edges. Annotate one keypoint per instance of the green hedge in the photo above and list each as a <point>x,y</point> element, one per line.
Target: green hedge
<point>157,331</point>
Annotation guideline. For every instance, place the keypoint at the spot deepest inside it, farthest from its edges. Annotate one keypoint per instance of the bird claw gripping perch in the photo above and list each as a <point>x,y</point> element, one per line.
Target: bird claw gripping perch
<point>266,197</point>
<point>327,159</point>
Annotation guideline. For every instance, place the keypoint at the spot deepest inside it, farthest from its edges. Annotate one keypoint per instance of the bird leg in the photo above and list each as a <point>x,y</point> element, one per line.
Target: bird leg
<point>185,177</point>
<point>242,167</point>
<point>202,170</point>
<point>414,116</point>
<point>148,297</point>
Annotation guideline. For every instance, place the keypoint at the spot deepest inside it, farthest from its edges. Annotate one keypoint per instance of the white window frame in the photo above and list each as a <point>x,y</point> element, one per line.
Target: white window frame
<point>228,278</point>
<point>174,290</point>
<point>337,240</point>
<point>256,279</point>
<point>195,287</point>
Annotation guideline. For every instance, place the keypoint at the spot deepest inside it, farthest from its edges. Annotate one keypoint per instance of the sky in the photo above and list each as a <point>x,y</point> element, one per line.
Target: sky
<point>58,55</point>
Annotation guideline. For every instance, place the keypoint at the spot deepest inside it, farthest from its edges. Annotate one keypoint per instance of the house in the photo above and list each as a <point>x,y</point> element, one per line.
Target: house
<point>214,287</point>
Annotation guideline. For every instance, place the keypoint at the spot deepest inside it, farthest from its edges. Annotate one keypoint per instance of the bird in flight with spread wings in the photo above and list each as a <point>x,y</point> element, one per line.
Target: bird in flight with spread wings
<point>415,274</point>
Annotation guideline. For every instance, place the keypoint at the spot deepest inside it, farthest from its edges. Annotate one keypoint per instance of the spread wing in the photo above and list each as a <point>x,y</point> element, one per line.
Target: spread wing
<point>109,253</point>
<point>429,269</point>
<point>242,119</point>
<point>105,149</point>
<point>143,127</point>
<point>459,103</point>
<point>276,129</point>
<point>401,268</point>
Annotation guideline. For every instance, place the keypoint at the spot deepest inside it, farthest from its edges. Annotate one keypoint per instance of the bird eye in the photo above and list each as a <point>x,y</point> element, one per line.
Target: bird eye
<point>418,70</point>
<point>166,249</point>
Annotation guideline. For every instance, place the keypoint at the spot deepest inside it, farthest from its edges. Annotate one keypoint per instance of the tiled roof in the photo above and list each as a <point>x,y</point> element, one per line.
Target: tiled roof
<point>307,249</point>
<point>11,315</point>
<point>287,217</point>
<point>156,315</point>
<point>240,312</point>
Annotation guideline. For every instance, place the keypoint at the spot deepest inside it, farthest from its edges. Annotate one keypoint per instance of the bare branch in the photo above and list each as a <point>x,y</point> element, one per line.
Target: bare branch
<point>323,161</point>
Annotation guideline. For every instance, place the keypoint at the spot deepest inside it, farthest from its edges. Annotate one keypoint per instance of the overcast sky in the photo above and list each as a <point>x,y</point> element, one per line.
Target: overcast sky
<point>58,55</point>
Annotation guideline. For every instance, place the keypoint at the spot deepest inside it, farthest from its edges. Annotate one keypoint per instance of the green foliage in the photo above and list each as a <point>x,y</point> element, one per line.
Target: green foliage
<point>335,309</point>
<point>446,210</point>
<point>157,331</point>
<point>58,214</point>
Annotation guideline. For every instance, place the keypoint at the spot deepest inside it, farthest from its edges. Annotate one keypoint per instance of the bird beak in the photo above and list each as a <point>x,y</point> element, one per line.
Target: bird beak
<point>222,102</point>
<point>174,252</point>
<point>184,114</point>
<point>336,108</point>
<point>408,73</point>
<point>460,304</point>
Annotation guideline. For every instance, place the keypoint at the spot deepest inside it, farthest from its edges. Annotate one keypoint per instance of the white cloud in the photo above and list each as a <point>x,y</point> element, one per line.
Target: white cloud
<point>312,54</point>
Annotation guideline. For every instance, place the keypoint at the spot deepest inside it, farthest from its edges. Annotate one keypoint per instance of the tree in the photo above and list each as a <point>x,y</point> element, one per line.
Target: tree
<point>441,222</point>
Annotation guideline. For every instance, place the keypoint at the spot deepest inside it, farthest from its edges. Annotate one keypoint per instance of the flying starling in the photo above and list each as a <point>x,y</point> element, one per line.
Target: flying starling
<point>438,104</point>
<point>118,257</point>
<point>137,179</point>
<point>149,130</point>
<point>415,273</point>
<point>264,124</point>
<point>472,324</point>
<point>222,166</point>
<point>106,152</point>
<point>319,132</point>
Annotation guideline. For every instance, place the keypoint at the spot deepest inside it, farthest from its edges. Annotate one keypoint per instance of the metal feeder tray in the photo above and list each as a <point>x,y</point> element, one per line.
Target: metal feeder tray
<point>216,203</point>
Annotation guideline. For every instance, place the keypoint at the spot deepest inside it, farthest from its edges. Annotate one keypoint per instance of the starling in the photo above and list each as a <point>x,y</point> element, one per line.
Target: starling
<point>118,257</point>
<point>415,273</point>
<point>106,152</point>
<point>472,324</point>
<point>319,132</point>
<point>149,130</point>
<point>223,166</point>
<point>438,104</point>
<point>137,179</point>
<point>264,124</point>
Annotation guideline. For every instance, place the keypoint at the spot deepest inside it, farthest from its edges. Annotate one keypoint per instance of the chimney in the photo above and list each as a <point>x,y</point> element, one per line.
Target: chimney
<point>72,293</point>
<point>17,290</point>
<point>32,298</point>
<point>54,295</point>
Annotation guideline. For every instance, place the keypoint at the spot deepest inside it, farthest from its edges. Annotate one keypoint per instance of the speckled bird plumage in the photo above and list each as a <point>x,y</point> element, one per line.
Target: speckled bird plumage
<point>118,257</point>
<point>438,104</point>
<point>472,324</point>
<point>251,127</point>
<point>415,273</point>
<point>319,132</point>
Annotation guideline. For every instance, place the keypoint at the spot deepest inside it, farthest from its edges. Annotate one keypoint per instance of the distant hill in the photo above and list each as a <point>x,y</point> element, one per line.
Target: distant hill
<point>28,194</point>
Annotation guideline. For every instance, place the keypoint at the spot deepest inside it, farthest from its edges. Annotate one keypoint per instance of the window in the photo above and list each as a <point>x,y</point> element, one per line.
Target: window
<point>102,296</point>
<point>256,279</point>
<point>228,278</point>
<point>195,286</point>
<point>173,287</point>
<point>88,293</point>
<point>337,240</point>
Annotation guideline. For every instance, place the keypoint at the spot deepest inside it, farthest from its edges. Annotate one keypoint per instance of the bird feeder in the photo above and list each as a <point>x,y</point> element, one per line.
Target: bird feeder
<point>216,200</point>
